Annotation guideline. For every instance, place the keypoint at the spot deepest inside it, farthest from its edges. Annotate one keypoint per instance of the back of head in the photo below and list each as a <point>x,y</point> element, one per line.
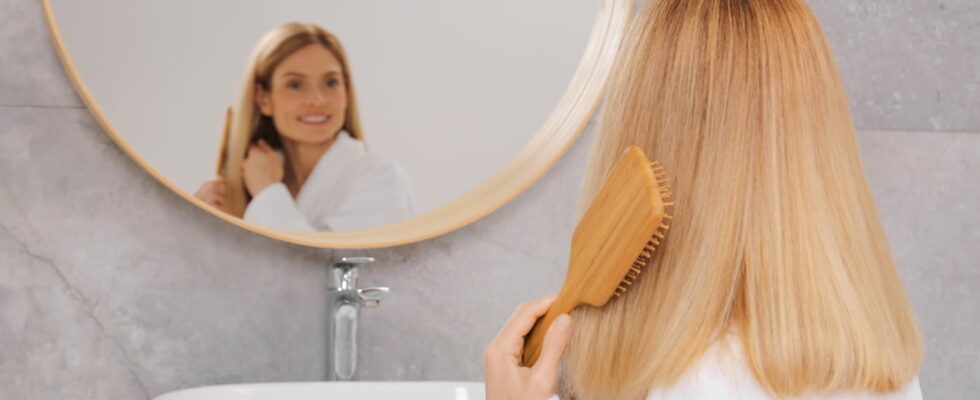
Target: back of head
<point>775,232</point>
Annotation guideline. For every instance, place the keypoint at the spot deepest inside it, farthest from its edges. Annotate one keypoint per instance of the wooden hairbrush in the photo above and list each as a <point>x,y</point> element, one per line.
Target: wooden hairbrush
<point>614,239</point>
<point>223,147</point>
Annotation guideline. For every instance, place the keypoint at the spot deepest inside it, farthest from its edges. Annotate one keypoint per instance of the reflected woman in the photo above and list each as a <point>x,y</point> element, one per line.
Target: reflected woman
<point>296,158</point>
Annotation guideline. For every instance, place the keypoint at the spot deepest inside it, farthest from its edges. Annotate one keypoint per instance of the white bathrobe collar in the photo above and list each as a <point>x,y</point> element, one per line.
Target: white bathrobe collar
<point>344,151</point>
<point>348,189</point>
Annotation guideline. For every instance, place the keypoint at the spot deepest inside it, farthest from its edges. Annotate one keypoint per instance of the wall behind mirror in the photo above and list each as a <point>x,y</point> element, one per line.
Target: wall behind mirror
<point>449,90</point>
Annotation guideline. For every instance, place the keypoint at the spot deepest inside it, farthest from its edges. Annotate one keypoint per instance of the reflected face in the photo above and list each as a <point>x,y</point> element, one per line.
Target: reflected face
<point>307,97</point>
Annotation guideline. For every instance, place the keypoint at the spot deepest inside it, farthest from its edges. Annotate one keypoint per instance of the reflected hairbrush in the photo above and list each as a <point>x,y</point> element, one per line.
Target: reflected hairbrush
<point>615,238</point>
<point>223,147</point>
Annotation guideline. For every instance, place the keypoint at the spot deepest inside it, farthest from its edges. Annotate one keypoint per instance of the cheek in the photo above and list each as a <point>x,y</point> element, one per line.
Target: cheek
<point>283,104</point>
<point>341,99</point>
<point>283,116</point>
<point>341,108</point>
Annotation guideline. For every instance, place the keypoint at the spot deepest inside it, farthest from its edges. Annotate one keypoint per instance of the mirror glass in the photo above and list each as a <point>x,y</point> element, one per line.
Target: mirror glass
<point>447,91</point>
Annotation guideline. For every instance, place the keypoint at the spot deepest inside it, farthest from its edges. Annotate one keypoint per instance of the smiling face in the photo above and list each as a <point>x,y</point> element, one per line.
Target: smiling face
<point>307,96</point>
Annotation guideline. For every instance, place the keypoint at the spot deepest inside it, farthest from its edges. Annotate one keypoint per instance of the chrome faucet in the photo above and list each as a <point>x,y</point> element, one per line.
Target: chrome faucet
<point>345,301</point>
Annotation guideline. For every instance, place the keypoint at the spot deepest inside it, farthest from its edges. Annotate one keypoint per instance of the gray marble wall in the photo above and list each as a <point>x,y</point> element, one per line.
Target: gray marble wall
<point>111,287</point>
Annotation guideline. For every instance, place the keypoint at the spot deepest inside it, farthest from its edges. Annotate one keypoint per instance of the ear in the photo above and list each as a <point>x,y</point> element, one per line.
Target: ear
<point>262,101</point>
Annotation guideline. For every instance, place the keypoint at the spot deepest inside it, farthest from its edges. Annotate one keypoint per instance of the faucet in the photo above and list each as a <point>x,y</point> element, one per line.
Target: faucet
<point>345,301</point>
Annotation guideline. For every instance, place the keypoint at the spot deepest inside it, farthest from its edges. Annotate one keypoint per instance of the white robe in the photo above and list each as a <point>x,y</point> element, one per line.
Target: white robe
<point>349,189</point>
<point>723,373</point>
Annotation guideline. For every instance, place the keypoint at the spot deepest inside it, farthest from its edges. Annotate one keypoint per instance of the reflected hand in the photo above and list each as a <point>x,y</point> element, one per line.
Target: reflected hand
<point>505,377</point>
<point>262,167</point>
<point>214,192</point>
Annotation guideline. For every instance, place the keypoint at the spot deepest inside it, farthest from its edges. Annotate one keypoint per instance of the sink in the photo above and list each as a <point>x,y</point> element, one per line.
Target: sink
<point>334,390</point>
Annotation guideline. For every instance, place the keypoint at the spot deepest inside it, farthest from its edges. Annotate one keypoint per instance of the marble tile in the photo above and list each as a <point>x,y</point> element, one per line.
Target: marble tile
<point>31,74</point>
<point>114,287</point>
<point>927,191</point>
<point>907,64</point>
<point>54,341</point>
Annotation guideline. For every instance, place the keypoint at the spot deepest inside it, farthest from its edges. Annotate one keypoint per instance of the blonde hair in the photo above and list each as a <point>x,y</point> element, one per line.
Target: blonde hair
<point>775,233</point>
<point>249,124</point>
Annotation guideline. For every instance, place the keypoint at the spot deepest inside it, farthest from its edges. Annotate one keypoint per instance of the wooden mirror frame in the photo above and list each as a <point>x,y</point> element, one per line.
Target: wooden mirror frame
<point>552,140</point>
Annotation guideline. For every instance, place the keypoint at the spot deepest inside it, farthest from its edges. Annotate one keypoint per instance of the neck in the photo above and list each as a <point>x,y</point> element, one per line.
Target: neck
<point>301,158</point>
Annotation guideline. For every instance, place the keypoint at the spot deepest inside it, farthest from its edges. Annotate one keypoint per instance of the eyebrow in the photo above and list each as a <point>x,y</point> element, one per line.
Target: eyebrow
<point>334,72</point>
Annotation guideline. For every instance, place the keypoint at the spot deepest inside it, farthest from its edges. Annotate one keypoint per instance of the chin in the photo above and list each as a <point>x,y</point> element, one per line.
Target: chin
<point>315,137</point>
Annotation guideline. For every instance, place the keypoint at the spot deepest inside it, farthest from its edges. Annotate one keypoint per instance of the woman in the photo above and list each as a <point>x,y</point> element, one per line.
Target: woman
<point>775,280</point>
<point>295,158</point>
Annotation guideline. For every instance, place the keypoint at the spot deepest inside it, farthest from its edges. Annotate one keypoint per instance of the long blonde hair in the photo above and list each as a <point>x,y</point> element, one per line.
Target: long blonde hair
<point>249,124</point>
<point>775,234</point>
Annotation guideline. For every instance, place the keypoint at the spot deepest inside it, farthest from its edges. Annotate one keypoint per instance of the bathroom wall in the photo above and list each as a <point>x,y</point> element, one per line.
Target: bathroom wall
<point>111,287</point>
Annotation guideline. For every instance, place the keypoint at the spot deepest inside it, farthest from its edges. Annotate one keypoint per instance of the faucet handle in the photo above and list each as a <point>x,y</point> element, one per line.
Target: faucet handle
<point>356,261</point>
<point>344,273</point>
<point>372,296</point>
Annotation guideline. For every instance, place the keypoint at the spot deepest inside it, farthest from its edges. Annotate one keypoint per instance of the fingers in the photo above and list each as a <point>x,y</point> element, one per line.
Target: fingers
<point>218,203</point>
<point>504,375</point>
<point>259,148</point>
<point>555,342</point>
<point>509,343</point>
<point>213,192</point>
<point>217,185</point>
<point>212,201</point>
<point>255,148</point>
<point>521,322</point>
<point>261,145</point>
<point>265,146</point>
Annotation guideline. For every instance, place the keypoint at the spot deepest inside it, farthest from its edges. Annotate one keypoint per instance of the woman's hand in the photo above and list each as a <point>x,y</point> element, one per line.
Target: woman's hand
<point>505,377</point>
<point>262,167</point>
<point>214,192</point>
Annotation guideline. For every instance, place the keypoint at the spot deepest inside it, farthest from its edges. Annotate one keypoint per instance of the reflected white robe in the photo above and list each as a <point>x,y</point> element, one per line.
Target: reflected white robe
<point>349,189</point>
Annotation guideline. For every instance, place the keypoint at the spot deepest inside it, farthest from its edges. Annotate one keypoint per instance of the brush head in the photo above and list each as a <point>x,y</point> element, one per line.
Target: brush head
<point>620,230</point>
<point>615,239</point>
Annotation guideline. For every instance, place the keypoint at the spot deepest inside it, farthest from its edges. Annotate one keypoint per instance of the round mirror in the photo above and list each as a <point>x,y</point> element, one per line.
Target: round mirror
<point>343,124</point>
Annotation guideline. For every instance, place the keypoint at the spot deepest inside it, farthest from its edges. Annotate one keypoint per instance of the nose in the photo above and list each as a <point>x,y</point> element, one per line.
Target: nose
<point>316,97</point>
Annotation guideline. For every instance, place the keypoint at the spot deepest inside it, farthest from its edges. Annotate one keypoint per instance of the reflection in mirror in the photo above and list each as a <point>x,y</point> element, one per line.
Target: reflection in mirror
<point>295,157</point>
<point>447,92</point>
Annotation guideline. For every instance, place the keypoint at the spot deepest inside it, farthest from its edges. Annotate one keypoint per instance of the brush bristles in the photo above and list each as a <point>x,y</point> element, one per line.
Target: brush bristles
<point>647,254</point>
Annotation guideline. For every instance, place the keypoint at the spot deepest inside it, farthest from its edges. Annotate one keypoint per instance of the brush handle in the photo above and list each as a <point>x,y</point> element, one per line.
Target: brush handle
<point>534,340</point>
<point>223,147</point>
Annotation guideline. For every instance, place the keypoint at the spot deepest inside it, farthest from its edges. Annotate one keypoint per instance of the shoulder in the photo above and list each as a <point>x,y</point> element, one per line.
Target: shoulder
<point>722,372</point>
<point>378,167</point>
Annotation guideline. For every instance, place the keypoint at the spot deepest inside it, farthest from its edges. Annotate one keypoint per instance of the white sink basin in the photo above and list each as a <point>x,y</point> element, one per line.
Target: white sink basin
<point>334,390</point>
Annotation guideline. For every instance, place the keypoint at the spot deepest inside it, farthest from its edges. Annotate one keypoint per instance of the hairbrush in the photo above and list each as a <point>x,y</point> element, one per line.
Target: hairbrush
<point>613,241</point>
<point>223,147</point>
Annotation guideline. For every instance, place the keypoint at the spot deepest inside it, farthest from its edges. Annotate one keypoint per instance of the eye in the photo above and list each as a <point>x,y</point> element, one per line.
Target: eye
<point>293,85</point>
<point>333,83</point>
